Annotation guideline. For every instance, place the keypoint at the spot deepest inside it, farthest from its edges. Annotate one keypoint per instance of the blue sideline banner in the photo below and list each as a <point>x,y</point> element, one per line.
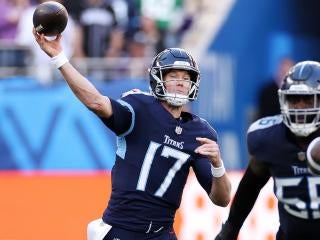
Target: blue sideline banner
<point>47,128</point>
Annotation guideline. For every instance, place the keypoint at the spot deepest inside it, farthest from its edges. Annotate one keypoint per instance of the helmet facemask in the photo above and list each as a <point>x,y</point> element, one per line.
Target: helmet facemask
<point>302,121</point>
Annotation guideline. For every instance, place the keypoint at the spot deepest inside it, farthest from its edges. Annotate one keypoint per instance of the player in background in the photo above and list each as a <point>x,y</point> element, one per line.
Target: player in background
<point>277,146</point>
<point>157,143</point>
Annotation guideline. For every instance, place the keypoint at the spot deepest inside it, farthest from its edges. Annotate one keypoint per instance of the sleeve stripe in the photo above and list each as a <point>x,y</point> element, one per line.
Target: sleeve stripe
<point>133,117</point>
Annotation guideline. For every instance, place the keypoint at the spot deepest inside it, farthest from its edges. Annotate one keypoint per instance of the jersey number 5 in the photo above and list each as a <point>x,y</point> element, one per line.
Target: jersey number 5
<point>147,162</point>
<point>302,212</point>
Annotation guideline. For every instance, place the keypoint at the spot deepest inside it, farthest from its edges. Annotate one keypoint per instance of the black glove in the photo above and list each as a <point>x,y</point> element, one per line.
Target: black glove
<point>227,232</point>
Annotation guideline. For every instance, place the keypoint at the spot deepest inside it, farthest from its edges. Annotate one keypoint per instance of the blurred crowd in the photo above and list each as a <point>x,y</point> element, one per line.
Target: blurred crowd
<point>126,29</point>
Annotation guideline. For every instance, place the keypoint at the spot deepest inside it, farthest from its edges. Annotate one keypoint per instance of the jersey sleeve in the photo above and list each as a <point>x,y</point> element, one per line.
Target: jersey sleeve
<point>262,133</point>
<point>202,170</point>
<point>121,119</point>
<point>202,165</point>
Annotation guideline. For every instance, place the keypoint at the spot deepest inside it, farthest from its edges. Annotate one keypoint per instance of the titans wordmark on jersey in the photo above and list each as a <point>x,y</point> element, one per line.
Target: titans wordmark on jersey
<point>297,191</point>
<point>152,164</point>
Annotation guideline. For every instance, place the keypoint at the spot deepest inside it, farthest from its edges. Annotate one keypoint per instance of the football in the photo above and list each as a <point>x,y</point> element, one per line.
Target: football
<point>50,18</point>
<point>313,156</point>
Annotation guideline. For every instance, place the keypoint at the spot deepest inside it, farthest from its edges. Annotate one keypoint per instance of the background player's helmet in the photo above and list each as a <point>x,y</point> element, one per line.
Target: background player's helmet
<point>302,80</point>
<point>173,58</point>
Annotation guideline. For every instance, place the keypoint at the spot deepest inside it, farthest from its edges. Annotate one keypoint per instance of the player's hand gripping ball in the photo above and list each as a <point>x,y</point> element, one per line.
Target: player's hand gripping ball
<point>50,18</point>
<point>313,156</point>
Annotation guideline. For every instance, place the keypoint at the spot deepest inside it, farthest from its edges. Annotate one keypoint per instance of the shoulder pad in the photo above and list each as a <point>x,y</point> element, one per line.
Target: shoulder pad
<point>134,91</point>
<point>265,122</point>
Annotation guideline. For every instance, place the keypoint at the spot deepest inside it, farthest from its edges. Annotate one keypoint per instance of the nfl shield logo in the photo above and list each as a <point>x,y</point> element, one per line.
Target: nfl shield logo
<point>178,130</point>
<point>301,156</point>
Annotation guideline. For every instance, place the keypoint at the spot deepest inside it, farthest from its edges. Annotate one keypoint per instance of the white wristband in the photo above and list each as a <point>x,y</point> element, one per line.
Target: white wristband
<point>219,171</point>
<point>59,60</point>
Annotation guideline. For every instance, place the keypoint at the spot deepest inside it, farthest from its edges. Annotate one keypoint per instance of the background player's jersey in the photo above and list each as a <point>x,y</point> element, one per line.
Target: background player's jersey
<point>152,164</point>
<point>297,191</point>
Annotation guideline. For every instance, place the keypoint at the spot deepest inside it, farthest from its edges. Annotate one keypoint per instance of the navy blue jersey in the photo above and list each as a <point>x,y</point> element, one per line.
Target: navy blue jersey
<point>297,191</point>
<point>153,158</point>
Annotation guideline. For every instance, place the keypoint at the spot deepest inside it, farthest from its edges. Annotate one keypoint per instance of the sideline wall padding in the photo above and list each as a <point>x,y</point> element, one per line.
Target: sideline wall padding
<point>59,205</point>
